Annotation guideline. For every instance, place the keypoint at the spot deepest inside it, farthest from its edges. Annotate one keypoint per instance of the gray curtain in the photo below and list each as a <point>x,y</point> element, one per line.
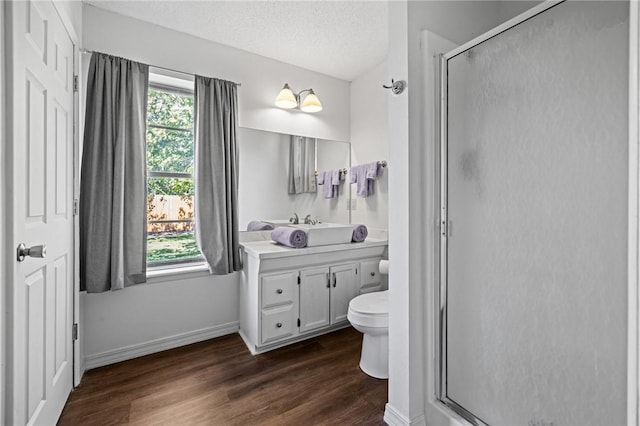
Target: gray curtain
<point>113,183</point>
<point>216,174</point>
<point>302,165</point>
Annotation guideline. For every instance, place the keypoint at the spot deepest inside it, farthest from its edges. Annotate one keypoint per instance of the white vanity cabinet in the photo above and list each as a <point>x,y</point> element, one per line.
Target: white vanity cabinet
<point>288,295</point>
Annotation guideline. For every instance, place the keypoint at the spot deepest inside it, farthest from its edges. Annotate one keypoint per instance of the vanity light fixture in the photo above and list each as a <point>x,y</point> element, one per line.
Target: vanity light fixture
<point>288,99</point>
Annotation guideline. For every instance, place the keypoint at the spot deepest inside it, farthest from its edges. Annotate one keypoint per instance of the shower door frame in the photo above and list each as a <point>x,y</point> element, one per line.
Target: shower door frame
<point>633,250</point>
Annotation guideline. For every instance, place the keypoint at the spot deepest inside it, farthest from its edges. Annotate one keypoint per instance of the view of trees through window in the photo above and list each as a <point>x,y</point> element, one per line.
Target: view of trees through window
<point>170,188</point>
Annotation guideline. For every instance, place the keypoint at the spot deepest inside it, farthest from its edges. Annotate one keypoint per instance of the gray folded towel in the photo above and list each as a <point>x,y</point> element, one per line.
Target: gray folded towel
<point>258,225</point>
<point>291,237</point>
<point>360,233</point>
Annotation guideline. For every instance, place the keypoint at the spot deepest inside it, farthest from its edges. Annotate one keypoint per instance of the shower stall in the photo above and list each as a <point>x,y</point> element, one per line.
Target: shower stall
<point>533,313</point>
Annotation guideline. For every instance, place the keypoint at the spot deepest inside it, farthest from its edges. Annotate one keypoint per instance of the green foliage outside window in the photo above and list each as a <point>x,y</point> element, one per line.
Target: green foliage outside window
<point>170,150</point>
<point>170,199</point>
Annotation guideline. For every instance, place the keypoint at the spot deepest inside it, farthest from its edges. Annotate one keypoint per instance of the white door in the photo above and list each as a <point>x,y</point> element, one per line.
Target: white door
<point>40,154</point>
<point>314,299</point>
<point>344,288</point>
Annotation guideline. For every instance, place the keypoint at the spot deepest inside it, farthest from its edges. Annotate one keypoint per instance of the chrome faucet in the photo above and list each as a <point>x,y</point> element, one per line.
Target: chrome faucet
<point>309,221</point>
<point>294,219</point>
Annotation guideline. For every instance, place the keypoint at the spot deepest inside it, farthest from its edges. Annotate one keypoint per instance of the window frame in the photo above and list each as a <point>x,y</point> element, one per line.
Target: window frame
<point>170,265</point>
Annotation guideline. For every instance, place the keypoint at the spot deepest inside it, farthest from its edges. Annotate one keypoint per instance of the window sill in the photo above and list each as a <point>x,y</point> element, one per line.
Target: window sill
<point>174,272</point>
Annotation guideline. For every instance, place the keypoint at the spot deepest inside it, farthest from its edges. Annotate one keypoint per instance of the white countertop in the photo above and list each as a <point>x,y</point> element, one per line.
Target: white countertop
<point>268,249</point>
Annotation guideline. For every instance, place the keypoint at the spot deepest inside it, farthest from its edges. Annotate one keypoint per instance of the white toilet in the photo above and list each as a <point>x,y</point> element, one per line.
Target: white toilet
<point>369,314</point>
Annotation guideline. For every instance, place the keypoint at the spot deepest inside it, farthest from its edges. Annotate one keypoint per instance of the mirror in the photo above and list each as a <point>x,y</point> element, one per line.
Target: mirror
<point>263,186</point>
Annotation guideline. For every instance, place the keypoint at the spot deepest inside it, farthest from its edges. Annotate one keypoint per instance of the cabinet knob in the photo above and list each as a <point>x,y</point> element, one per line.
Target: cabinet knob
<point>279,291</point>
<point>279,325</point>
<point>373,274</point>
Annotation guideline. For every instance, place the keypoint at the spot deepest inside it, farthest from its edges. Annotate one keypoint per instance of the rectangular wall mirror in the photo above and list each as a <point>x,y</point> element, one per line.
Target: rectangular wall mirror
<point>264,182</point>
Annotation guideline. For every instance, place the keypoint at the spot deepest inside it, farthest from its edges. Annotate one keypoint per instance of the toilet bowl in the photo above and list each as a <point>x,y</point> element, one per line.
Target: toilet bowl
<point>369,314</point>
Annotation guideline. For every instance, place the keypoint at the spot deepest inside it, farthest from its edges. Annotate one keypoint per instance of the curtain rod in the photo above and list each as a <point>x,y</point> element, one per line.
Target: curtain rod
<point>83,50</point>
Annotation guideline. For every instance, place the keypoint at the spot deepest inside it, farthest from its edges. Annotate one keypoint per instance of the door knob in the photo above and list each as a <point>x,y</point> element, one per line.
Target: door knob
<point>35,251</point>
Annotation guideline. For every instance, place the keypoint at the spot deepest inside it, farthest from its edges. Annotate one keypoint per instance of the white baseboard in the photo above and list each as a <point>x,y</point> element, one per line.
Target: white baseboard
<point>393,417</point>
<point>158,345</point>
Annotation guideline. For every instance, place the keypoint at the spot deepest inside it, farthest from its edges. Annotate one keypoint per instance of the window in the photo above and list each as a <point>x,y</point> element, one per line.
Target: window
<point>170,184</point>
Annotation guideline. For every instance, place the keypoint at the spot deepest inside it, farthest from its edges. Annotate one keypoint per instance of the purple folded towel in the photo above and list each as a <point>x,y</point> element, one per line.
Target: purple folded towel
<point>359,233</point>
<point>288,236</point>
<point>258,225</point>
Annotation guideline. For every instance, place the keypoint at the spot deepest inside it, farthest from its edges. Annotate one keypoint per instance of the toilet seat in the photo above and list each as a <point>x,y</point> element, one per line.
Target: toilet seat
<point>370,309</point>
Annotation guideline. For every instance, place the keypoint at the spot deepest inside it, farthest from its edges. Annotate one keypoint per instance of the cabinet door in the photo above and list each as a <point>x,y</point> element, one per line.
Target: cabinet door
<point>370,279</point>
<point>344,287</point>
<point>314,299</point>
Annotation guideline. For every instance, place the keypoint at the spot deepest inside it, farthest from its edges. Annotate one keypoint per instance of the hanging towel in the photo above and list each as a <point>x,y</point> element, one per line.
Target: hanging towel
<point>258,225</point>
<point>360,233</point>
<point>358,176</point>
<point>331,181</point>
<point>291,237</point>
<point>373,170</point>
<point>337,176</point>
<point>364,176</point>
<point>327,191</point>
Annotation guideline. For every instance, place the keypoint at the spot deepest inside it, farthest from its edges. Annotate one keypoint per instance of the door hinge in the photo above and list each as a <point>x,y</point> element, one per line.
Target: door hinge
<point>443,228</point>
<point>75,83</point>
<point>75,207</point>
<point>74,332</point>
<point>298,322</point>
<point>298,279</point>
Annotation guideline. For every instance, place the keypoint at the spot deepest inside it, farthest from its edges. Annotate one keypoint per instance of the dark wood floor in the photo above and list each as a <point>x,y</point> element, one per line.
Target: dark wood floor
<point>218,382</point>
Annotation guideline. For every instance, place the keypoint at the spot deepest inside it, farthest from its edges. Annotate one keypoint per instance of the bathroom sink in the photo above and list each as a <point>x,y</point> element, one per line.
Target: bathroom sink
<point>323,234</point>
<point>277,222</point>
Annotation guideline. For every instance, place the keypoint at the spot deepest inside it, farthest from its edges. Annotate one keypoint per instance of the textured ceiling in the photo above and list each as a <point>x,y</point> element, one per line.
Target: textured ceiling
<point>339,38</point>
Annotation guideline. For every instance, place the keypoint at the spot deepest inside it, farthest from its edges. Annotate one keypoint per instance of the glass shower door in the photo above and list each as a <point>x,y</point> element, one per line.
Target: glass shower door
<point>535,197</point>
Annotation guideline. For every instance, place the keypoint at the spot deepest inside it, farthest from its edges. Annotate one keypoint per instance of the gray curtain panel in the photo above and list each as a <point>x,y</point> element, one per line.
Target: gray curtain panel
<point>113,183</point>
<point>302,165</point>
<point>216,174</point>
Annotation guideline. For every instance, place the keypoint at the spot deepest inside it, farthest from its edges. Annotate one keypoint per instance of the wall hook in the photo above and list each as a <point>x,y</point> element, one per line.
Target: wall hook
<point>396,87</point>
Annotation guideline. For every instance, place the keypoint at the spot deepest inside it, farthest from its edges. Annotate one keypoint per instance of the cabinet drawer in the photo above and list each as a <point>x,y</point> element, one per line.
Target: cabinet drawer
<point>369,273</point>
<point>277,289</point>
<point>277,324</point>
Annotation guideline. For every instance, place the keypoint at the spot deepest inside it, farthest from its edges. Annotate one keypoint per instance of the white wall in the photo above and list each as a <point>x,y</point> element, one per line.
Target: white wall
<point>145,318</point>
<point>370,142</point>
<point>261,78</point>
<point>263,183</point>
<point>510,9</point>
